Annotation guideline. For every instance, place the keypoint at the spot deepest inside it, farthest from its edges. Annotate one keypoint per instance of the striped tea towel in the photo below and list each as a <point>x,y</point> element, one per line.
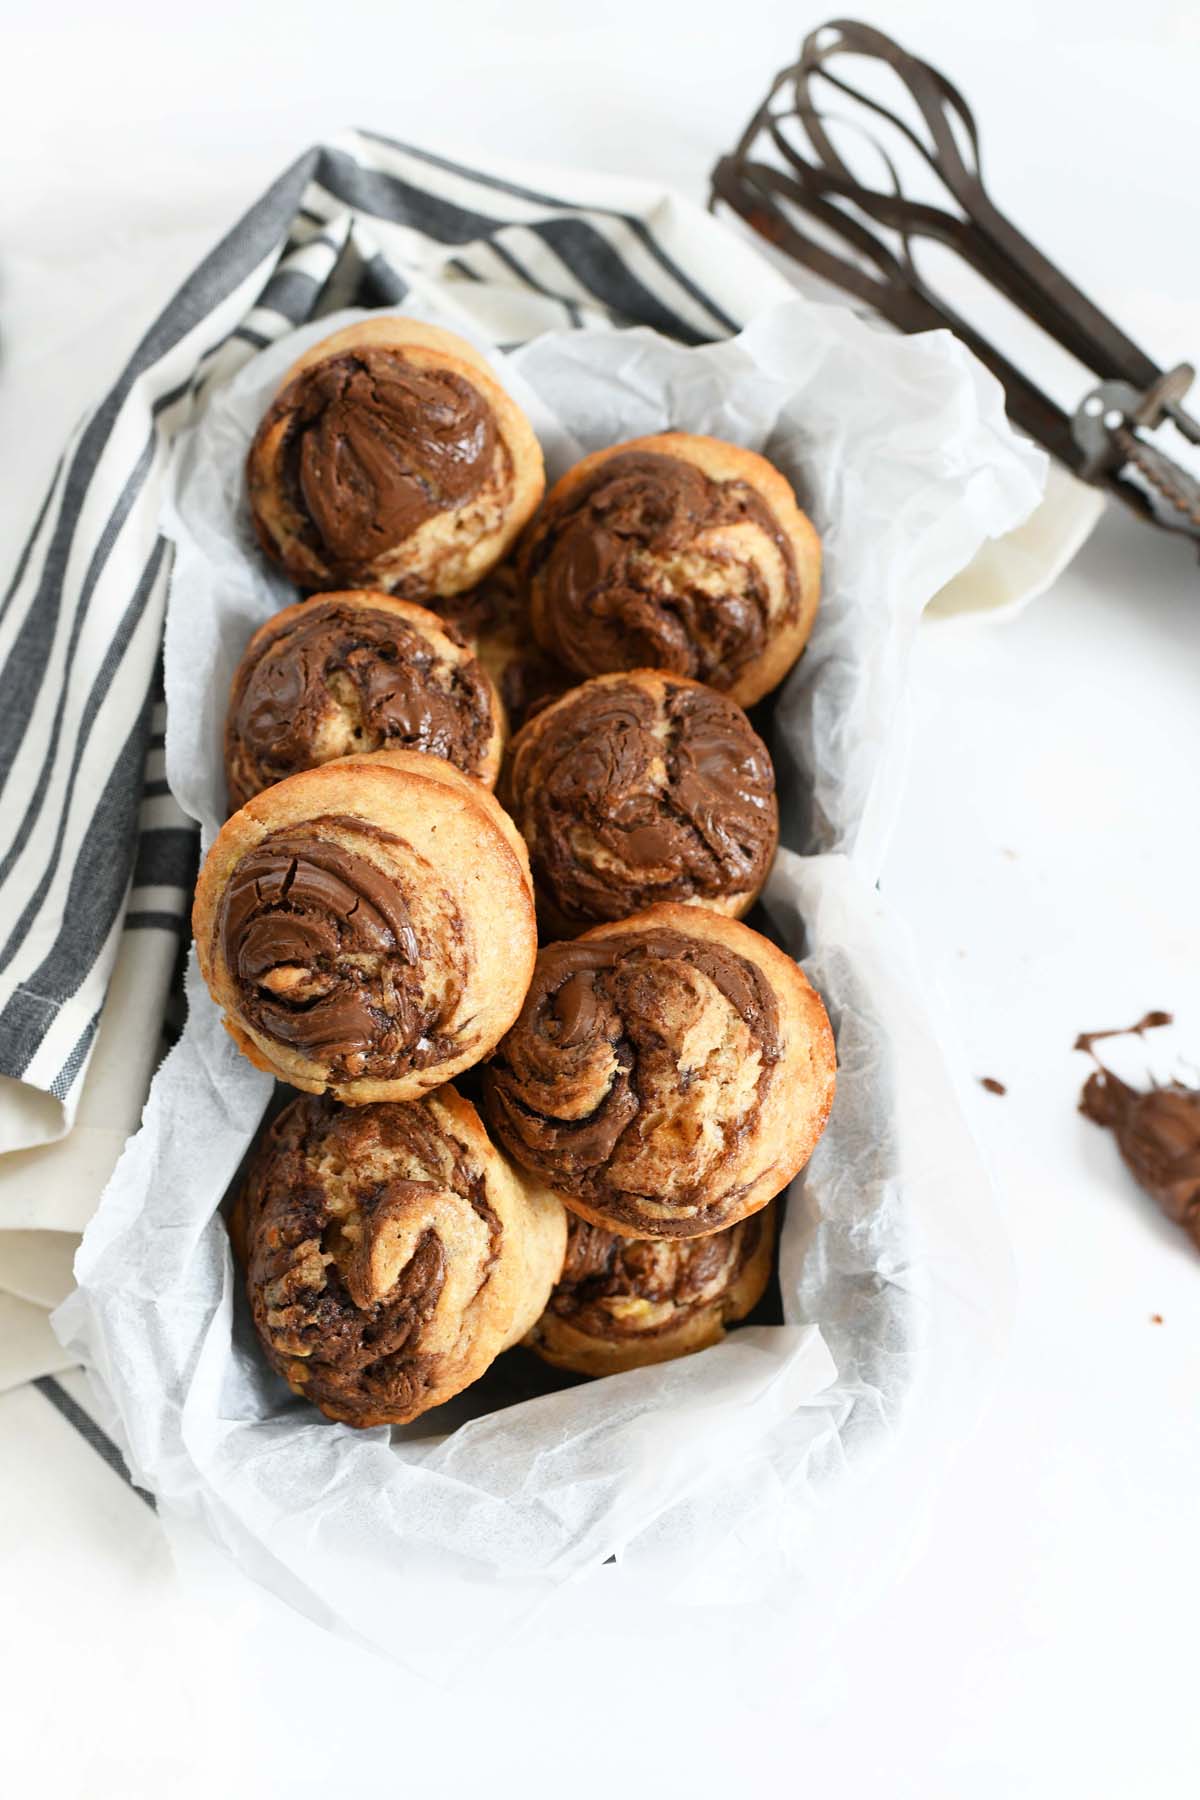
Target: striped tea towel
<point>359,221</point>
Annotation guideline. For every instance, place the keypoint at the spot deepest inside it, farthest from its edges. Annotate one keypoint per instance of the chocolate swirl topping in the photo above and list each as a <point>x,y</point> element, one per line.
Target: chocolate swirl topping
<point>374,447</point>
<point>619,1287</point>
<point>637,1064</point>
<point>327,957</point>
<point>338,679</point>
<point>369,1238</point>
<point>626,796</point>
<point>626,584</point>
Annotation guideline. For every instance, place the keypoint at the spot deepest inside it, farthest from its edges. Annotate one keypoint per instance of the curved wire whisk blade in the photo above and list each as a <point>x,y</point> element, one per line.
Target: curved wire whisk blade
<point>789,178</point>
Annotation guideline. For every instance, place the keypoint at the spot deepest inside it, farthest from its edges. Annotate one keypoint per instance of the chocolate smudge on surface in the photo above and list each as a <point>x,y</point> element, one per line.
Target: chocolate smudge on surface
<point>1157,1129</point>
<point>1148,1022</point>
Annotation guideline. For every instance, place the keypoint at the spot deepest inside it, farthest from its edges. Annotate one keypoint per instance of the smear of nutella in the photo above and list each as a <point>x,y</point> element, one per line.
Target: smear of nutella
<point>1150,1021</point>
<point>600,556</point>
<point>685,1274</point>
<point>327,961</point>
<point>313,1206</point>
<point>374,447</point>
<point>597,1003</point>
<point>1157,1129</point>
<point>395,687</point>
<point>617,816</point>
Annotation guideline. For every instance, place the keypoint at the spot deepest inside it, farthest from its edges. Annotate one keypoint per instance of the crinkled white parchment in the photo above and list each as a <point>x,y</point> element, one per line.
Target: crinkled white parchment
<point>711,1477</point>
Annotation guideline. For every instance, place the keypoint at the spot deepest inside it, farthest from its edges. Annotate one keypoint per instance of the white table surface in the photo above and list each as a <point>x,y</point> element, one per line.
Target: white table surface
<point>1043,1639</point>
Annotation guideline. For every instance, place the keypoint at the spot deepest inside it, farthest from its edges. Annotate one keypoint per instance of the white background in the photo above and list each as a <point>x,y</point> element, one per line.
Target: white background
<point>1043,1640</point>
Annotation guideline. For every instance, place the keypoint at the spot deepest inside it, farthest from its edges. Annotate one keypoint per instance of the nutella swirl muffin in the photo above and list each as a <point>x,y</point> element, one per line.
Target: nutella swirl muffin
<point>350,673</point>
<point>667,1075</point>
<point>390,1253</point>
<point>637,788</point>
<point>674,552</point>
<point>368,926</point>
<point>392,457</point>
<point>623,1302</point>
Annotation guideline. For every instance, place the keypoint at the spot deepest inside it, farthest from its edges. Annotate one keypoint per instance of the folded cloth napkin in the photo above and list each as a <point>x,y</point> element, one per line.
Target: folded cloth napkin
<point>35,1275</point>
<point>92,897</point>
